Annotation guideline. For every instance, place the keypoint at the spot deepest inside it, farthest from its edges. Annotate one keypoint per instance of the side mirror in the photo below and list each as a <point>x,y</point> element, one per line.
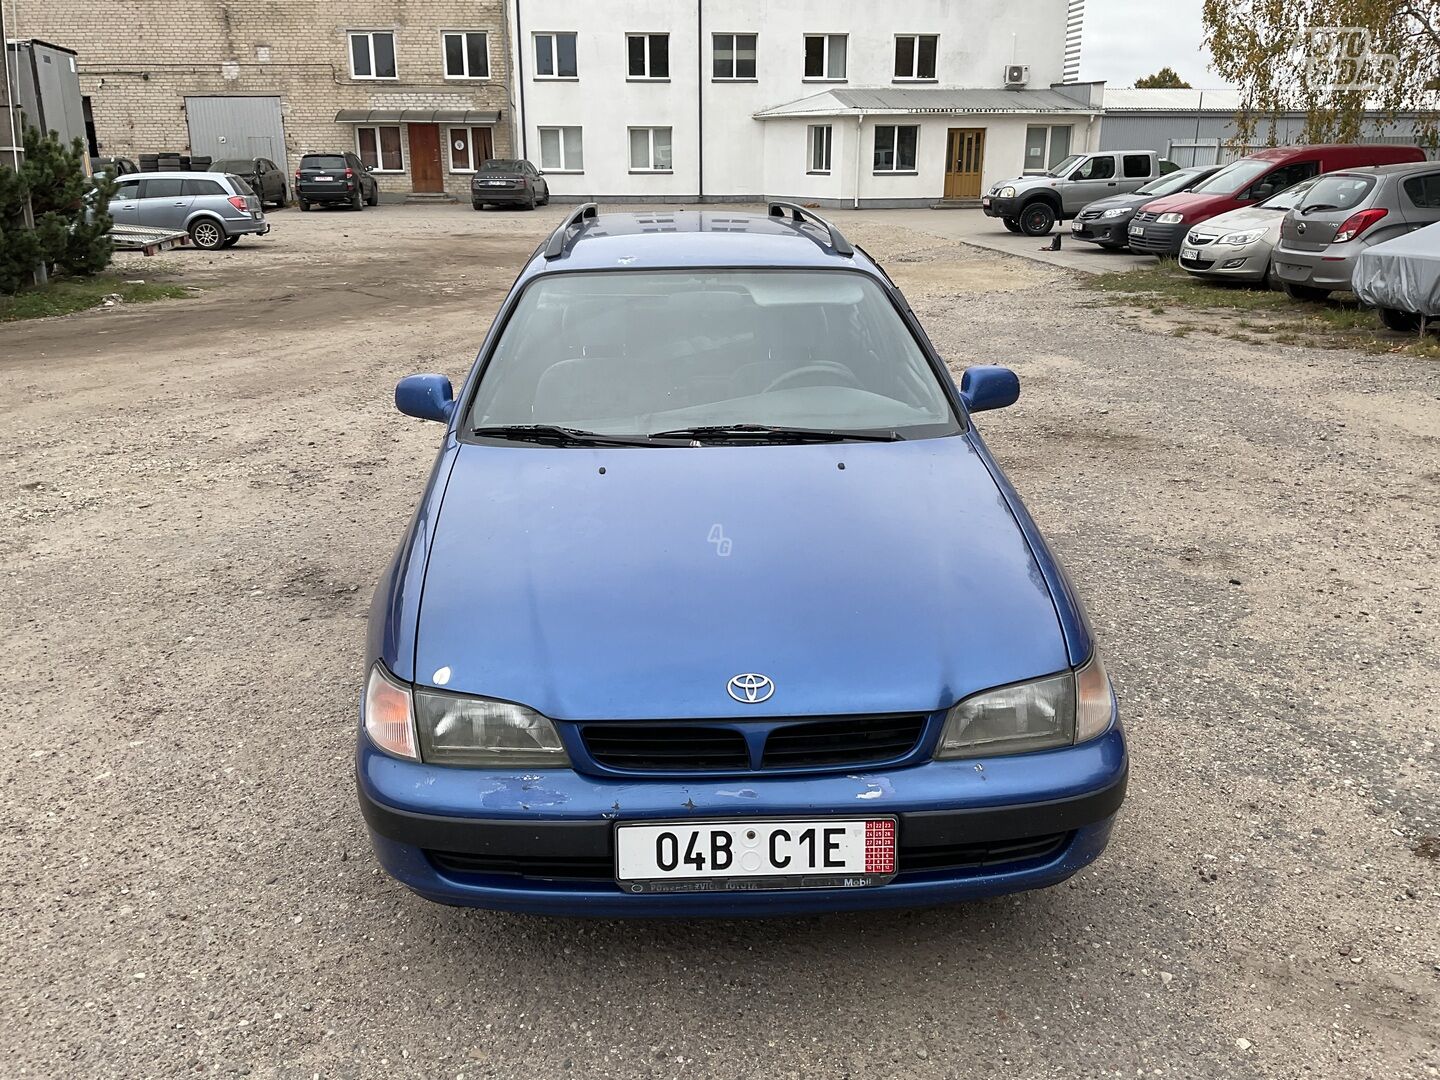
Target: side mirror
<point>986,386</point>
<point>428,397</point>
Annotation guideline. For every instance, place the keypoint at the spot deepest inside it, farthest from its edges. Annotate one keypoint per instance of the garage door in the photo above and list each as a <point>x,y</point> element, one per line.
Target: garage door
<point>237,127</point>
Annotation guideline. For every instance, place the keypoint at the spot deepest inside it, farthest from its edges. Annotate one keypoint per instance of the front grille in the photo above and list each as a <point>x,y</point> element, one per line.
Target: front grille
<point>970,856</point>
<point>1200,239</point>
<point>841,742</point>
<point>538,867</point>
<point>851,740</point>
<point>1145,215</point>
<point>666,748</point>
<point>1198,264</point>
<point>1089,215</point>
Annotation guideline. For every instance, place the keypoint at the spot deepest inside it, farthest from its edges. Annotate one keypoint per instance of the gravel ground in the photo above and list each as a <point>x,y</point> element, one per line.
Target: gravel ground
<point>200,495</point>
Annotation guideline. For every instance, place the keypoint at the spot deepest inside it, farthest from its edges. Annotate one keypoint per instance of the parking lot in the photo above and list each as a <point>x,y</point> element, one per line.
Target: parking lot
<point>200,495</point>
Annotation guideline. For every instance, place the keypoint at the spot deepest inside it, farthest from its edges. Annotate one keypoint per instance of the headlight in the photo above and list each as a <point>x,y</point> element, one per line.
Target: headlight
<point>1006,193</point>
<point>1239,239</point>
<point>389,717</point>
<point>459,730</point>
<point>1170,219</point>
<point>1115,213</point>
<point>1058,710</point>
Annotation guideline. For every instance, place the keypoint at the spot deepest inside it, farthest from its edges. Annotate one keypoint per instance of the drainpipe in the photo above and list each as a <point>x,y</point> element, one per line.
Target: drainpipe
<point>859,123</point>
<point>519,47</point>
<point>700,100</point>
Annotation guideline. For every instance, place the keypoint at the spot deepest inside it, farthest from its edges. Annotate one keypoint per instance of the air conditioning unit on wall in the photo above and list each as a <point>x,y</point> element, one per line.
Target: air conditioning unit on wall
<point>1016,75</point>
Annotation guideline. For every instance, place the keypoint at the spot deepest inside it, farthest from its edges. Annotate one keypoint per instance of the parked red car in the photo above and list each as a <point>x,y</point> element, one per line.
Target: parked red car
<point>1162,225</point>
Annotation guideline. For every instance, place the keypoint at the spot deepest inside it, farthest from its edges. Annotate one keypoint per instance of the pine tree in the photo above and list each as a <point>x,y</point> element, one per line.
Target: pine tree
<point>72,225</point>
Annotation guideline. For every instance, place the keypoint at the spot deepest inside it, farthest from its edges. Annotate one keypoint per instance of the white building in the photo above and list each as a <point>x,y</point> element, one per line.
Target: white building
<point>823,101</point>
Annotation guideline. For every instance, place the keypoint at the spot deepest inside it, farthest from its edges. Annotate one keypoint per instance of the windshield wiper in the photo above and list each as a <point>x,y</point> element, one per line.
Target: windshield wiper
<point>1318,206</point>
<point>559,436</point>
<point>771,433</point>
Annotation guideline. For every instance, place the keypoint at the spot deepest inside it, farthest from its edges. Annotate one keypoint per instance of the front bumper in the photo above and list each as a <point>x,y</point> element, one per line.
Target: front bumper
<point>1248,262</point>
<point>1317,269</point>
<point>1110,232</point>
<point>1160,240</point>
<point>543,842</point>
<point>1000,208</point>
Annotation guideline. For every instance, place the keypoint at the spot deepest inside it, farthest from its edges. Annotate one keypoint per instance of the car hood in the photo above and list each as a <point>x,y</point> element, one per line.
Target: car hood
<point>1119,202</point>
<point>1194,207</point>
<point>633,583</point>
<point>1247,217</point>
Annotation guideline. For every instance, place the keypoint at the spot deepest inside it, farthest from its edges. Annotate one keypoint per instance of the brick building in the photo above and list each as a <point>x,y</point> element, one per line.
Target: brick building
<point>418,88</point>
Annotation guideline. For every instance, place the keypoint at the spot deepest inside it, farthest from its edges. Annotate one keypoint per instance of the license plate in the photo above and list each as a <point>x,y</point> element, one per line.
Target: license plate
<point>745,856</point>
<point>985,201</point>
<point>1077,227</point>
<point>324,178</point>
<point>497,183</point>
<point>1137,230</point>
<point>1189,253</point>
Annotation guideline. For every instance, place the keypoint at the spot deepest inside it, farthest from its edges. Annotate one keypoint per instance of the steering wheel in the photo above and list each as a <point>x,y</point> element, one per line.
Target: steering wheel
<point>819,367</point>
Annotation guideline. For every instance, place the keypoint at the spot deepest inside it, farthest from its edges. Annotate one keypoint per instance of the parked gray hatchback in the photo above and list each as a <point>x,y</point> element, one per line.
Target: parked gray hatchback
<point>216,209</point>
<point>1346,212</point>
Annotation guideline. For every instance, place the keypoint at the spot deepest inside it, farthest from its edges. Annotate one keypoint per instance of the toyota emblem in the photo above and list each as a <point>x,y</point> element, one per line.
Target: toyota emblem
<point>750,688</point>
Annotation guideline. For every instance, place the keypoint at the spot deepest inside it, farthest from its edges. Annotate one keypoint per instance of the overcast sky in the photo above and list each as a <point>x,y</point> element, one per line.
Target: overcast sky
<point>1128,39</point>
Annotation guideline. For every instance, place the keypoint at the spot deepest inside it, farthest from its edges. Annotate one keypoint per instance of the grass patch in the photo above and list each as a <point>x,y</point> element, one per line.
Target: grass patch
<point>66,296</point>
<point>1338,323</point>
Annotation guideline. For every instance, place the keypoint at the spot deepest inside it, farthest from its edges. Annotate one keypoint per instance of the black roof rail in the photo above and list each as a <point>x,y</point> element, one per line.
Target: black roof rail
<point>577,217</point>
<point>798,214</point>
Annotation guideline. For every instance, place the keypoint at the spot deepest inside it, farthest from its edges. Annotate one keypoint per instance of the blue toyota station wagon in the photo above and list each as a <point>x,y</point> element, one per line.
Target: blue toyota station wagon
<point>716,603</point>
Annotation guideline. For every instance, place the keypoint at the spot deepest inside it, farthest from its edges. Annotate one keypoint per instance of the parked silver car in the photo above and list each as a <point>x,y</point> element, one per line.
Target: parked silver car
<point>216,209</point>
<point>1237,245</point>
<point>1345,213</point>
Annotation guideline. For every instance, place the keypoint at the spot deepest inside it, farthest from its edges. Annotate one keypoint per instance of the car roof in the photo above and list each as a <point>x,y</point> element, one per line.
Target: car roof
<point>681,237</point>
<point>1404,168</point>
<point>174,174</point>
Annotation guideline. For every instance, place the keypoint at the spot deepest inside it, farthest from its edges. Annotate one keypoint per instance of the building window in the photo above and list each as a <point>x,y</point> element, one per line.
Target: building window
<point>650,149</point>
<point>380,148</point>
<point>734,56</point>
<point>561,150</point>
<point>819,148</point>
<point>649,55</point>
<point>372,55</point>
<point>825,56</point>
<point>1045,147</point>
<point>555,56</point>
<point>915,56</point>
<point>469,148</point>
<point>895,147</point>
<point>467,54</point>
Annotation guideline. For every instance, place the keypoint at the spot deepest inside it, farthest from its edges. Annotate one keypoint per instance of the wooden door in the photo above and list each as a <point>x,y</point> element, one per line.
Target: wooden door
<point>964,162</point>
<point>425,172</point>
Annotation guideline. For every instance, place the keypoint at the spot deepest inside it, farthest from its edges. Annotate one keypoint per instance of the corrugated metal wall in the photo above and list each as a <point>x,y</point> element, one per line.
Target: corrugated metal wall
<point>1202,140</point>
<point>237,127</point>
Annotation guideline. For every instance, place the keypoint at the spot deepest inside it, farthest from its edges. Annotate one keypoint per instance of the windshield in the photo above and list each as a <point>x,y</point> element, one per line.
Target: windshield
<point>1338,192</point>
<point>1169,185</point>
<point>641,352</point>
<point>1234,177</point>
<point>1290,197</point>
<point>232,165</point>
<point>504,165</point>
<point>1064,164</point>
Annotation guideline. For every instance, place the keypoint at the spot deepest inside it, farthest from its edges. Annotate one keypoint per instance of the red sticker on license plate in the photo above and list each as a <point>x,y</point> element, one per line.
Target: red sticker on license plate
<point>880,847</point>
